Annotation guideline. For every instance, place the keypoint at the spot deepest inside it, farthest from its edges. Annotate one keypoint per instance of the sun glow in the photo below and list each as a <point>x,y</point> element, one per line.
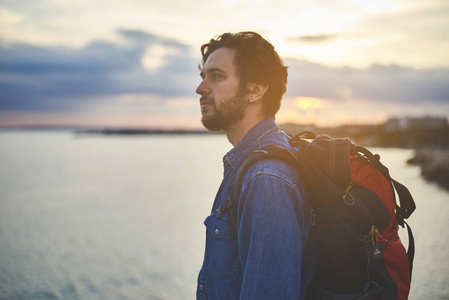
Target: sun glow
<point>303,110</point>
<point>308,103</point>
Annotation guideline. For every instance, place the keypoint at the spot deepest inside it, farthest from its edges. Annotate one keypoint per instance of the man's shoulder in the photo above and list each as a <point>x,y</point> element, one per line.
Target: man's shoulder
<point>271,167</point>
<point>277,137</point>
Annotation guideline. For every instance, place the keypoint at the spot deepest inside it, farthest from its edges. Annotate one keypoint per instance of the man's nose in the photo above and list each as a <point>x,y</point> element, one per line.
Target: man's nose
<point>202,88</point>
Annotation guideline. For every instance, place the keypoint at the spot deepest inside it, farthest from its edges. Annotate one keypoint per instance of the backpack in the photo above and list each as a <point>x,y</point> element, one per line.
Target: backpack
<point>355,217</point>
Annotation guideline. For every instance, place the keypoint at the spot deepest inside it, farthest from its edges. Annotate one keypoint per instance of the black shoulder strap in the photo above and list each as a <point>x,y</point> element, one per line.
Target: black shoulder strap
<point>407,204</point>
<point>269,152</point>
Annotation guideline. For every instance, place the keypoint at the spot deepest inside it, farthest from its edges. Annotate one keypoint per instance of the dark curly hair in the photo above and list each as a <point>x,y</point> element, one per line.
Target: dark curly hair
<point>256,61</point>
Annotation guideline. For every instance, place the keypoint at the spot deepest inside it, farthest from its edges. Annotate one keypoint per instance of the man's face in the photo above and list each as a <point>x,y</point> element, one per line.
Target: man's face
<point>221,102</point>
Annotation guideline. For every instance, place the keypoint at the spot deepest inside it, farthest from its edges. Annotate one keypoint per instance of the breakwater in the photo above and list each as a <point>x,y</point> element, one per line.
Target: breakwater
<point>434,165</point>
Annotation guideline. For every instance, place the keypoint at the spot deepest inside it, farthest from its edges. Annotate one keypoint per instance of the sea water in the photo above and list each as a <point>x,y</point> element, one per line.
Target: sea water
<point>121,217</point>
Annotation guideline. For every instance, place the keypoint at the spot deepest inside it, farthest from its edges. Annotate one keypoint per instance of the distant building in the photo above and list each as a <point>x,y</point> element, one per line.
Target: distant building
<point>406,123</point>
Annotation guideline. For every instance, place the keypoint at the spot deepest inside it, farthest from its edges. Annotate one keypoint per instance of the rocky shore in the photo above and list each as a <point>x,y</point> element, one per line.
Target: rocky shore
<point>434,165</point>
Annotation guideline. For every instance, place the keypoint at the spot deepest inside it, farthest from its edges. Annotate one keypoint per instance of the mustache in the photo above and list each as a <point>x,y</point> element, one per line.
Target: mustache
<point>207,99</point>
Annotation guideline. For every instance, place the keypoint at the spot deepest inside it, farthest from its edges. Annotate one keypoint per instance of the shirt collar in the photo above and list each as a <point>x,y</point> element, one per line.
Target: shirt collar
<point>249,142</point>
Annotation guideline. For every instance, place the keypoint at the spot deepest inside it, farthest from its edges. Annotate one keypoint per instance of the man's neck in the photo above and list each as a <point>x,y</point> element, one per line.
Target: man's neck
<point>236,132</point>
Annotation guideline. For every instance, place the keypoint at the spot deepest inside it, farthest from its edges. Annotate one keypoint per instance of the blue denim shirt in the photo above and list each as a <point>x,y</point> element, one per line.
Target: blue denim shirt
<point>268,259</point>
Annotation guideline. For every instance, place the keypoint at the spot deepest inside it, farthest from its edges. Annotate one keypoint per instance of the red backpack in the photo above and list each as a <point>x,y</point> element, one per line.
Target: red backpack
<point>355,217</point>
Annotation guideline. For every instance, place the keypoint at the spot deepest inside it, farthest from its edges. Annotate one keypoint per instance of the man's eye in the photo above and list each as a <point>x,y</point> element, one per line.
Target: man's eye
<point>217,76</point>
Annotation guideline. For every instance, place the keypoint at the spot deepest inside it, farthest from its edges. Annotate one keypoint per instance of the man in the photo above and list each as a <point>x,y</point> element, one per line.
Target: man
<point>243,80</point>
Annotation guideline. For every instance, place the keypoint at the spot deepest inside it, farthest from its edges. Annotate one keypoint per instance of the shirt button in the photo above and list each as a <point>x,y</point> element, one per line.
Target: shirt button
<point>201,287</point>
<point>216,231</point>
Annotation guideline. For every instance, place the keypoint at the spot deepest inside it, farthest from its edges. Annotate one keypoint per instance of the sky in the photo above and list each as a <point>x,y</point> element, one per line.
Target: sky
<point>110,63</point>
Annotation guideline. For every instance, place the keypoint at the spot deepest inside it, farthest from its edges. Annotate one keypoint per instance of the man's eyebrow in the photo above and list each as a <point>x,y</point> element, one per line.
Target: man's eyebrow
<point>212,70</point>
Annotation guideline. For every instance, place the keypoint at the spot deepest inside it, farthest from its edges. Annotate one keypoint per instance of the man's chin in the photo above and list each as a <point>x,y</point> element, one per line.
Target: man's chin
<point>212,124</point>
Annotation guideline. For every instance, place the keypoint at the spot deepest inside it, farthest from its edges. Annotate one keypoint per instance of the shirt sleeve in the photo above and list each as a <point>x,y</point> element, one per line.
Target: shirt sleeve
<point>271,237</point>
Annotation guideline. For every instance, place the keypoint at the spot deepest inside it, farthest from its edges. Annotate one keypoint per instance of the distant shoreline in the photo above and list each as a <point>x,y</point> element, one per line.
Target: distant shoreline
<point>365,135</point>
<point>431,145</point>
<point>142,132</point>
<point>434,163</point>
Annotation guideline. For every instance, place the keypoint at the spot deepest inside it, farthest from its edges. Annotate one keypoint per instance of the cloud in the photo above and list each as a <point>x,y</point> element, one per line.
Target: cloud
<point>145,39</point>
<point>314,39</point>
<point>50,78</point>
<point>381,83</point>
<point>337,32</point>
<point>146,74</point>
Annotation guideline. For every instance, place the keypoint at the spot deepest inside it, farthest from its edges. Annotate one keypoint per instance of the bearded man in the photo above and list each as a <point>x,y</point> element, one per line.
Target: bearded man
<point>243,81</point>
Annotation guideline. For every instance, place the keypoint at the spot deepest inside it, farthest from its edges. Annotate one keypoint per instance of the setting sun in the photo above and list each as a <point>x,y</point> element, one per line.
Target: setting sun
<point>306,103</point>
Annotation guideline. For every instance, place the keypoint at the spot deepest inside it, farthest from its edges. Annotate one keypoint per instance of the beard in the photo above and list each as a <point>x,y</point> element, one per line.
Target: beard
<point>226,113</point>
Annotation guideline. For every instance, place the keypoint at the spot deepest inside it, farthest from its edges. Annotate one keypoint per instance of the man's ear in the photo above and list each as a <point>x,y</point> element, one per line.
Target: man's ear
<point>256,91</point>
